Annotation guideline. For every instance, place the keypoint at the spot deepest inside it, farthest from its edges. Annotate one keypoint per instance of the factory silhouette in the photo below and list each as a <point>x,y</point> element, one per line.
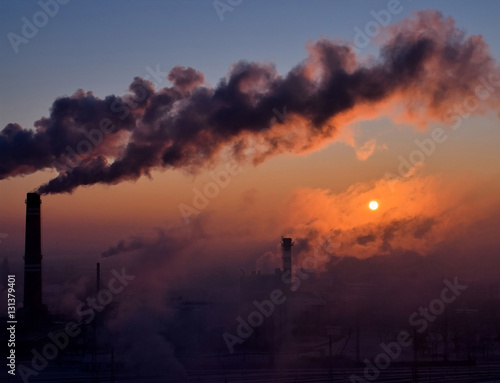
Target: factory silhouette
<point>289,325</point>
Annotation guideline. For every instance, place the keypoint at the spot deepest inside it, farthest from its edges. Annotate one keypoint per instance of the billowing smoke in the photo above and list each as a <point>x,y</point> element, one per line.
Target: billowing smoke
<point>426,63</point>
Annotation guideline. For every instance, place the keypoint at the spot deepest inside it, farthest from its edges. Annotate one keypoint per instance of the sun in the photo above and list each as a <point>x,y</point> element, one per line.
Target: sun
<point>373,205</point>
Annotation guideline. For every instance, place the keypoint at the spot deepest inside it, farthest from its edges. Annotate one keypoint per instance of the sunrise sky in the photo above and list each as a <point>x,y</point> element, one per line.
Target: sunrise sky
<point>306,159</point>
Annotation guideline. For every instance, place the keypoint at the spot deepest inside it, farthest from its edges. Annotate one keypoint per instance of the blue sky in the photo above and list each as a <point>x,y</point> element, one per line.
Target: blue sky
<point>102,45</point>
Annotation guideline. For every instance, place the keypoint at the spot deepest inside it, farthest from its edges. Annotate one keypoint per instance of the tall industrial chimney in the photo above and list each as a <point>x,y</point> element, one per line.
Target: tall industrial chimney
<point>287,244</point>
<point>33,257</point>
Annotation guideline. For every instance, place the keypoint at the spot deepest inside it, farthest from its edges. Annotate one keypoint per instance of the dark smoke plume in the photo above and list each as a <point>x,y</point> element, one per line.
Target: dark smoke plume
<point>426,63</point>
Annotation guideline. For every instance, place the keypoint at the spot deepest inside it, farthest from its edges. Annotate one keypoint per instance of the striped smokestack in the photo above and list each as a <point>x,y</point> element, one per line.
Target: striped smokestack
<point>33,256</point>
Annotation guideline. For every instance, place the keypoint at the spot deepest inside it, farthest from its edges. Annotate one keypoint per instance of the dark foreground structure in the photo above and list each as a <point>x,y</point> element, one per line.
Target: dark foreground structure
<point>33,307</point>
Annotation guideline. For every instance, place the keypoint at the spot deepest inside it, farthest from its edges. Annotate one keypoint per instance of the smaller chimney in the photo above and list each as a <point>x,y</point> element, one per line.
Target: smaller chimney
<point>287,244</point>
